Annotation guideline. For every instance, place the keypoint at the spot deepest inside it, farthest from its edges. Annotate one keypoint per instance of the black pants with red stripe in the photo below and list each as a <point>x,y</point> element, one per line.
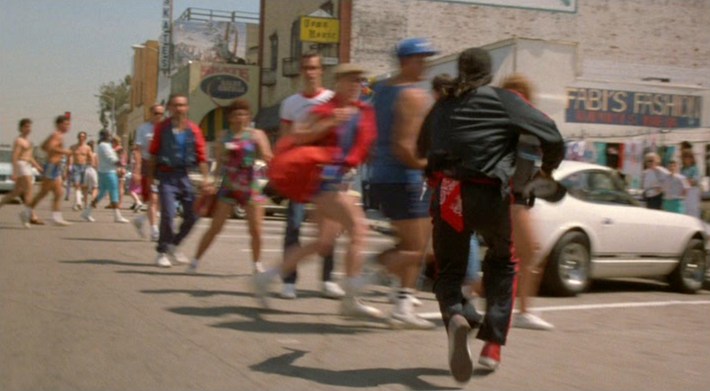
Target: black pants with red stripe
<point>486,211</point>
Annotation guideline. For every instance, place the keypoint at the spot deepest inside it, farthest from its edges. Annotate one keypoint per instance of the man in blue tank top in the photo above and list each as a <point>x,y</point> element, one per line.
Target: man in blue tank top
<point>396,173</point>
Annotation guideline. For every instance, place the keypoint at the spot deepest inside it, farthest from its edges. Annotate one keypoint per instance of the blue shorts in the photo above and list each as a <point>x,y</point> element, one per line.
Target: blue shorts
<point>401,201</point>
<point>78,173</point>
<point>52,171</point>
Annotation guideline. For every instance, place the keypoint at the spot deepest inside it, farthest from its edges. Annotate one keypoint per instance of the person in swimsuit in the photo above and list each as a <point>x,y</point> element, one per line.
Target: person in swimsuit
<point>78,161</point>
<point>237,151</point>
<point>22,163</point>
<point>52,178</point>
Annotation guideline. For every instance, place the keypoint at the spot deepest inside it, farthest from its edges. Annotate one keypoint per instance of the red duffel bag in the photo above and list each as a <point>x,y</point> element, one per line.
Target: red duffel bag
<point>295,170</point>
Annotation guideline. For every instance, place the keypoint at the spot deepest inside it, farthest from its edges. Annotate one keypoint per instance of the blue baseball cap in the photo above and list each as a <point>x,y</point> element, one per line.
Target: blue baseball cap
<point>415,46</point>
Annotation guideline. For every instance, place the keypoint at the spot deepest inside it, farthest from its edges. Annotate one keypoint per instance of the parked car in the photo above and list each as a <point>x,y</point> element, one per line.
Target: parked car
<point>6,184</point>
<point>598,230</point>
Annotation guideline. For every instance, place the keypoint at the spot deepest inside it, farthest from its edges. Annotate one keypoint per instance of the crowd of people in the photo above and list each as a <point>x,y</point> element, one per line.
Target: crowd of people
<point>445,169</point>
<point>675,187</point>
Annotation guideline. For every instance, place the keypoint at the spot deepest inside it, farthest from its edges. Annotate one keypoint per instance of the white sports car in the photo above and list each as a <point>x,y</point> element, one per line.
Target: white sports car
<point>598,230</point>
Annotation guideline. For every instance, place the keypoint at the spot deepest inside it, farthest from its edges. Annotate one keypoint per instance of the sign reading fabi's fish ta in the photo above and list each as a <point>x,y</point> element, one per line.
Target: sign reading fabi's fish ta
<point>647,109</point>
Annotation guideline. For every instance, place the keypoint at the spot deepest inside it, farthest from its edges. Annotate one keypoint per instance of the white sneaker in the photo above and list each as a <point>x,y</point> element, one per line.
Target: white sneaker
<point>332,290</point>
<point>155,235</point>
<point>288,291</point>
<point>261,282</point>
<point>138,225</point>
<point>392,297</point>
<point>162,260</point>
<point>176,256</point>
<point>526,320</point>
<point>192,267</point>
<point>25,219</point>
<point>404,317</point>
<point>354,308</point>
<point>86,216</point>
<point>60,222</point>
<point>120,219</point>
<point>258,267</point>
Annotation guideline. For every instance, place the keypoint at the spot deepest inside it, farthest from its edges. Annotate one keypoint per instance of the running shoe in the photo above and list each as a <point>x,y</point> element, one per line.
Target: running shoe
<point>526,320</point>
<point>176,256</point>
<point>288,291</point>
<point>460,362</point>
<point>162,260</point>
<point>60,222</point>
<point>354,308</point>
<point>490,356</point>
<point>261,282</point>
<point>25,218</point>
<point>86,216</point>
<point>332,290</point>
<point>404,317</point>
<point>138,225</point>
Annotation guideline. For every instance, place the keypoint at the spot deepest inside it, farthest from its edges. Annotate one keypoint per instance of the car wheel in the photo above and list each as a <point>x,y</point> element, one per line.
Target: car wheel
<point>567,272</point>
<point>240,212</point>
<point>689,275</point>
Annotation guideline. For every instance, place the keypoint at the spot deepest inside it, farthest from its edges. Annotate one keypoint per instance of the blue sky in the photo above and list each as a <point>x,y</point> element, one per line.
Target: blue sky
<point>56,53</point>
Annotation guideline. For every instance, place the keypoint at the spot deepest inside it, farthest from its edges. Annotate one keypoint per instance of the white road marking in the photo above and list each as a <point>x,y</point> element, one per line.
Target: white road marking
<point>582,307</point>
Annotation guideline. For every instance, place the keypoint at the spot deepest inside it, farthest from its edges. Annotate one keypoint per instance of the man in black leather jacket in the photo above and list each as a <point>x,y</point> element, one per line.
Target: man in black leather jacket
<point>474,134</point>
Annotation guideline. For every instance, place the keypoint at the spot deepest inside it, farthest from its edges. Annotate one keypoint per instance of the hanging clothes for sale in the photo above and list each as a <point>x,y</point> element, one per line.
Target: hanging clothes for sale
<point>633,163</point>
<point>600,153</point>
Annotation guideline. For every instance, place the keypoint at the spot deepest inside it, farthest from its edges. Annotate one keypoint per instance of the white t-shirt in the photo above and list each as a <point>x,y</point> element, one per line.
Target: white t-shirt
<point>653,180</point>
<point>675,186</point>
<point>296,107</point>
<point>144,136</point>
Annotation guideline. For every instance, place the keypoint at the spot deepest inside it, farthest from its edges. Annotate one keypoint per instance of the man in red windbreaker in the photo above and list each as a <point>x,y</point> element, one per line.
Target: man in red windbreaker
<point>177,146</point>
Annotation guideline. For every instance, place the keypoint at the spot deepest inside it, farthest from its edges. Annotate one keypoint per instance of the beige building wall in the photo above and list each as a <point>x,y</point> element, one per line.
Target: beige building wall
<point>278,19</point>
<point>144,86</point>
<point>617,39</point>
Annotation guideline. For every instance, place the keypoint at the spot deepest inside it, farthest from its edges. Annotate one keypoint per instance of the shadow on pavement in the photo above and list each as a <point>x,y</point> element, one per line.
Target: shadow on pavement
<point>257,324</point>
<point>106,262</point>
<point>105,240</point>
<point>182,273</point>
<point>362,378</point>
<point>629,285</point>
<point>249,312</point>
<point>196,292</point>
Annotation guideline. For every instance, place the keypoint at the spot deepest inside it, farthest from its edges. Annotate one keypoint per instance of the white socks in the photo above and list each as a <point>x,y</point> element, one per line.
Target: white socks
<point>78,197</point>
<point>57,216</point>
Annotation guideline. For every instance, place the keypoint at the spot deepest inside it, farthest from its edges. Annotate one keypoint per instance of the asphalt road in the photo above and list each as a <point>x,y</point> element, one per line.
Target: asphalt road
<point>84,308</point>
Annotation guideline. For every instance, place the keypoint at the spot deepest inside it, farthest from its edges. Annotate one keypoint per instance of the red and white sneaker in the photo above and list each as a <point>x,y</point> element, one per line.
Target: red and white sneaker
<point>490,356</point>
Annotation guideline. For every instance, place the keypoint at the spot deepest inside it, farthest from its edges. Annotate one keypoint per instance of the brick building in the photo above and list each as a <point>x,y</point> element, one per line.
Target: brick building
<point>654,53</point>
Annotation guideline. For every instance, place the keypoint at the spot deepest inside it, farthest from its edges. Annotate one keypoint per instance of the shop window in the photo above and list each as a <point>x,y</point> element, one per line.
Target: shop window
<point>274,41</point>
<point>296,44</point>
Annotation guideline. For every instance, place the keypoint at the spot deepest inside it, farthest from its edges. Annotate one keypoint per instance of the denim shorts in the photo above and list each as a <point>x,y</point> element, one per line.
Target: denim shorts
<point>52,171</point>
<point>401,201</point>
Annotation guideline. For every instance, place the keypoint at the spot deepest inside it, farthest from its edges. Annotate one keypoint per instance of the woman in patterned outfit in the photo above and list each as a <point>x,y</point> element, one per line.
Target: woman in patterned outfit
<point>237,150</point>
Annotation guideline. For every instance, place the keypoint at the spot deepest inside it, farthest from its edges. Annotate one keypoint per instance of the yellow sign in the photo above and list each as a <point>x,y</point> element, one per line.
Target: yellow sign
<point>320,30</point>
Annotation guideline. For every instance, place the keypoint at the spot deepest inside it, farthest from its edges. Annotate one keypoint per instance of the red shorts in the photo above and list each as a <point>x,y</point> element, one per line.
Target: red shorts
<point>146,190</point>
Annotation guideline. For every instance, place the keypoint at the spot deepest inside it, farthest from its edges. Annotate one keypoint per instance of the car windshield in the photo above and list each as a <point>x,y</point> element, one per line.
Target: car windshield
<point>598,186</point>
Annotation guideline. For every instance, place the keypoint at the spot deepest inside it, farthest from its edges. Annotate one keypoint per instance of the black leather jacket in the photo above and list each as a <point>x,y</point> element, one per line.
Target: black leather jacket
<point>476,135</point>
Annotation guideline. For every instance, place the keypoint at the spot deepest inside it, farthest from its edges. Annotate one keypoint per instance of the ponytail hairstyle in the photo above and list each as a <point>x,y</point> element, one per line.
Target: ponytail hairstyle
<point>474,71</point>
